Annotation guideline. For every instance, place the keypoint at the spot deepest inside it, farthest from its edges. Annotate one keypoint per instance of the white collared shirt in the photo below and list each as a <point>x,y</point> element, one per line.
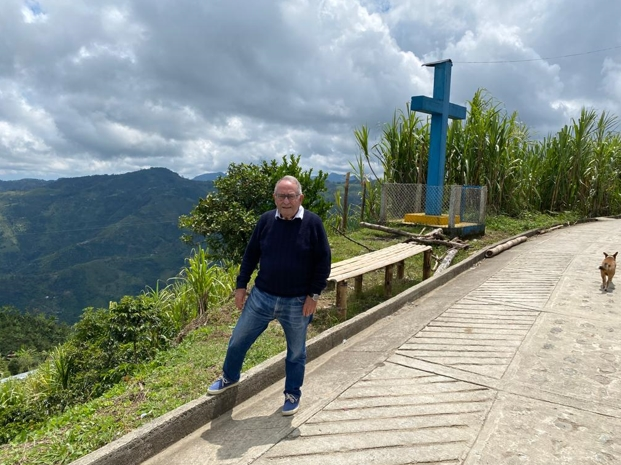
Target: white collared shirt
<point>299,214</point>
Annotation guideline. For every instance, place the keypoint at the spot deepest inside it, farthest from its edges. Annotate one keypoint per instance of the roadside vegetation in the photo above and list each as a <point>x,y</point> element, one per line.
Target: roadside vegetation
<point>143,356</point>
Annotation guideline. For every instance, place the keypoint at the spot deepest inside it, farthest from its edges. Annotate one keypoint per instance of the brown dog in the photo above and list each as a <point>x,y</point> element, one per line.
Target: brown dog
<point>607,269</point>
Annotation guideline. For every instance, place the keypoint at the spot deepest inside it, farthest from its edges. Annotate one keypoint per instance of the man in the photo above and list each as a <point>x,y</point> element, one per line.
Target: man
<point>290,247</point>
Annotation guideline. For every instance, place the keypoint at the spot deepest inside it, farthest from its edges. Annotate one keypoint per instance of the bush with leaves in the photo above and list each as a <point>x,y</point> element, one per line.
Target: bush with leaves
<point>17,412</point>
<point>140,323</point>
<point>109,343</point>
<point>225,218</point>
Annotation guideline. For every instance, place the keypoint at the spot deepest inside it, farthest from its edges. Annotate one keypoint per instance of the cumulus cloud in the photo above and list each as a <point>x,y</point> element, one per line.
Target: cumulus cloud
<point>119,85</point>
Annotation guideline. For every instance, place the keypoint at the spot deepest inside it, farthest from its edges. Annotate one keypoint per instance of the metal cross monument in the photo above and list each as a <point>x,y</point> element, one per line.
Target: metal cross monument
<point>440,109</point>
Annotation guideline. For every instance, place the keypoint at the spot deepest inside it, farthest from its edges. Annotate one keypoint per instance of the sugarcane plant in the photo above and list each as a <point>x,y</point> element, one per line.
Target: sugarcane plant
<point>577,169</point>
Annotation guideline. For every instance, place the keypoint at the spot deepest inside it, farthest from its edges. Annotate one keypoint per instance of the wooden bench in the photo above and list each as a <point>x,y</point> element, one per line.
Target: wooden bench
<point>386,258</point>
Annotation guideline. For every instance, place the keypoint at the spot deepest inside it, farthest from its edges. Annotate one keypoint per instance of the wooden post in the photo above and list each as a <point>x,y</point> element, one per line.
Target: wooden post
<point>426,264</point>
<point>341,298</point>
<point>401,269</point>
<point>345,203</point>
<point>383,214</point>
<point>358,285</point>
<point>388,281</point>
<point>364,196</point>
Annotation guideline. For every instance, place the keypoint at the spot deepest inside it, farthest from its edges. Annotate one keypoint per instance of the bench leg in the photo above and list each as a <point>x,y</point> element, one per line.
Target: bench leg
<point>401,269</point>
<point>341,298</point>
<point>358,285</point>
<point>427,264</point>
<point>388,281</point>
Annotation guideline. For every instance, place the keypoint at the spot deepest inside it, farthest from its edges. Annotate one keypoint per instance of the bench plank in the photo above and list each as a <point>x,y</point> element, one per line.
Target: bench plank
<point>386,258</point>
<point>372,261</point>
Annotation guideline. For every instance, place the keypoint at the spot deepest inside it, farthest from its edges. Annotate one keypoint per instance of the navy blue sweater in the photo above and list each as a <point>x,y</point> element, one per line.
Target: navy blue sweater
<point>293,256</point>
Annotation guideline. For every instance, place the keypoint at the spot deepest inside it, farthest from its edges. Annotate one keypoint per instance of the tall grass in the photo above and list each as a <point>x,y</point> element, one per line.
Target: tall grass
<point>486,151</point>
<point>401,150</point>
<point>582,166</point>
<point>577,169</point>
<point>205,282</point>
<point>400,155</point>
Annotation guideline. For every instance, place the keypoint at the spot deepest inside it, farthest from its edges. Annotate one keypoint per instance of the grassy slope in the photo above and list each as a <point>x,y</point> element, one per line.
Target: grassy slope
<point>182,373</point>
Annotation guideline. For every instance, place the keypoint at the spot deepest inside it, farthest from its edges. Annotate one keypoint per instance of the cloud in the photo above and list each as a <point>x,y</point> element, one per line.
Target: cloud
<point>118,85</point>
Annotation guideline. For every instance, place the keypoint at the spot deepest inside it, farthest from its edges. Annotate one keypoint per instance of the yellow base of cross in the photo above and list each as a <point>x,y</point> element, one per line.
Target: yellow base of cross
<point>431,220</point>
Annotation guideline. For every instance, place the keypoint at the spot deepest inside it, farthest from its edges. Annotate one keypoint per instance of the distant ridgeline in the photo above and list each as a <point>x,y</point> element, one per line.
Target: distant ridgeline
<point>332,178</point>
<point>334,182</point>
<point>82,242</point>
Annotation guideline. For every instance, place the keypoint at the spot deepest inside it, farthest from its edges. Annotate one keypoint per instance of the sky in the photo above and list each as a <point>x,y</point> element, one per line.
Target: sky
<point>114,86</point>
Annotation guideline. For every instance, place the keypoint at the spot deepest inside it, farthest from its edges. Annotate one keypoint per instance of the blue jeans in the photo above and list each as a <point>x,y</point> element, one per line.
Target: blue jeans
<point>261,308</point>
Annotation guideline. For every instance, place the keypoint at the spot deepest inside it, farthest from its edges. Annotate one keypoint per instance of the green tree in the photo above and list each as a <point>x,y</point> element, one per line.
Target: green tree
<point>27,337</point>
<point>29,330</point>
<point>226,217</point>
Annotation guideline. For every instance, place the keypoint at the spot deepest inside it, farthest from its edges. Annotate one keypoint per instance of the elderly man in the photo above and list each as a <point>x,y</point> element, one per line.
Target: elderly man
<point>290,246</point>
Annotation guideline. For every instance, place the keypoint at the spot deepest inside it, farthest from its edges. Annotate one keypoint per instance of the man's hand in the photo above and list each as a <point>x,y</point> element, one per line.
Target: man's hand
<point>240,298</point>
<point>310,306</point>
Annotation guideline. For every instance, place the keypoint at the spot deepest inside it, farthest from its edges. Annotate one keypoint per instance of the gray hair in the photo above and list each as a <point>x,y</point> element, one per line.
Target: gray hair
<point>292,179</point>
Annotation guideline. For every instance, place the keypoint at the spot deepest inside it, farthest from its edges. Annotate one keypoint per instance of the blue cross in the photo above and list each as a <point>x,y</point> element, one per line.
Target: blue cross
<point>440,109</point>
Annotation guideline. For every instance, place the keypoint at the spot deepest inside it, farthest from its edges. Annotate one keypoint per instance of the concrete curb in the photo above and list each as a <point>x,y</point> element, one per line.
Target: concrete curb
<point>155,436</point>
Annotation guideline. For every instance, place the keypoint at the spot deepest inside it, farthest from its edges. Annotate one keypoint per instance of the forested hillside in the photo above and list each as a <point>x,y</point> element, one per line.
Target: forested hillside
<point>79,242</point>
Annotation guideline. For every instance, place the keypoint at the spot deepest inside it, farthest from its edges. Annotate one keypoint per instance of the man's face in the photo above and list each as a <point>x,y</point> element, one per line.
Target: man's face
<point>287,199</point>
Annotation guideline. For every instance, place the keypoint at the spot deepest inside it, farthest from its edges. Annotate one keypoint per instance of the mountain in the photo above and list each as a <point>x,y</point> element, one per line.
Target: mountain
<point>208,176</point>
<point>22,184</point>
<point>82,242</point>
<point>332,177</point>
<point>334,182</point>
<point>336,178</point>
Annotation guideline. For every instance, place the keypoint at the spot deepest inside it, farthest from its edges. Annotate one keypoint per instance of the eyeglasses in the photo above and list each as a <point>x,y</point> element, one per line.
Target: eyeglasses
<point>287,196</point>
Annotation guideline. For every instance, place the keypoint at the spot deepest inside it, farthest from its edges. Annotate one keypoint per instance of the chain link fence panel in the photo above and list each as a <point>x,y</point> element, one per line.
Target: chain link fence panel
<point>461,204</point>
